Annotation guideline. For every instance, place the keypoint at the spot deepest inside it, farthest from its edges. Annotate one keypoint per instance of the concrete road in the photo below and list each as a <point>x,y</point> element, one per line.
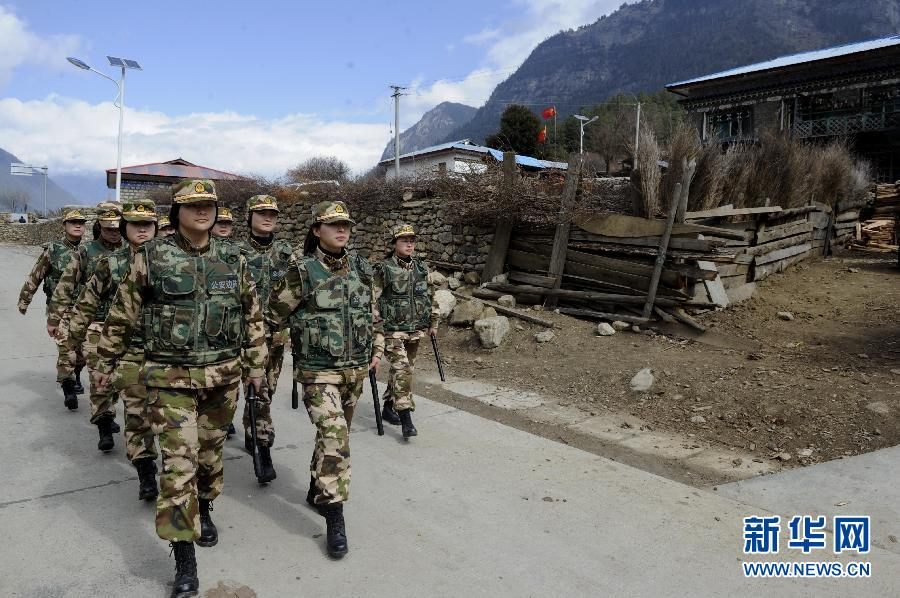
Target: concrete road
<point>470,507</point>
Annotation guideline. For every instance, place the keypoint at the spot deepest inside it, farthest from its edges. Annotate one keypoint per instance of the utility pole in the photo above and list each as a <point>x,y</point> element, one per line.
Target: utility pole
<point>396,95</point>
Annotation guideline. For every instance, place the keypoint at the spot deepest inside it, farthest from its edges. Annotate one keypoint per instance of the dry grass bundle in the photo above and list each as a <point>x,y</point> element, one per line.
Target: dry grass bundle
<point>684,146</point>
<point>647,165</point>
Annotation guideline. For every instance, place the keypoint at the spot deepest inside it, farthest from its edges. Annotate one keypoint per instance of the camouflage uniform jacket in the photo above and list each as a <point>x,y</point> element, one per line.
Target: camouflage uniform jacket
<point>295,298</point>
<point>48,269</point>
<point>99,292</point>
<point>170,261</point>
<point>405,298</point>
<point>268,264</point>
<point>79,269</point>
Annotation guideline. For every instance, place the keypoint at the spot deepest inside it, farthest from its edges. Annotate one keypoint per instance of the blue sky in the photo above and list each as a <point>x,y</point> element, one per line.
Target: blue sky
<point>252,86</point>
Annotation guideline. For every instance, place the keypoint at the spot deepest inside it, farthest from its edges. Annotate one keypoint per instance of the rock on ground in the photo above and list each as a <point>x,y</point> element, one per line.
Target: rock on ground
<point>492,331</point>
<point>453,283</point>
<point>436,278</point>
<point>445,302</point>
<point>466,312</point>
<point>507,301</point>
<point>604,329</point>
<point>642,381</point>
<point>472,278</point>
<point>620,326</point>
<point>545,336</point>
<point>786,316</point>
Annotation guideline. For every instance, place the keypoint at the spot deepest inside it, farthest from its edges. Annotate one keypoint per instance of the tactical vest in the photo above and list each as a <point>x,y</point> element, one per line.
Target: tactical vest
<point>405,302</point>
<point>89,255</point>
<point>333,327</point>
<point>268,265</point>
<point>192,312</point>
<point>60,254</point>
<point>118,268</point>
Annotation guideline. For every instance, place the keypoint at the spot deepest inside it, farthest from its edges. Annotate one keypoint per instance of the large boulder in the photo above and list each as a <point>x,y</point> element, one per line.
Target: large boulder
<point>466,312</point>
<point>436,278</point>
<point>492,331</point>
<point>445,302</point>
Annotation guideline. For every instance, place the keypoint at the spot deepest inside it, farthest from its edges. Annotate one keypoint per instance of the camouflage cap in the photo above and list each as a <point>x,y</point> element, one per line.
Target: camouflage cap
<point>262,202</point>
<point>164,222</point>
<point>108,214</point>
<point>139,210</point>
<point>73,214</point>
<point>331,211</point>
<point>403,230</point>
<point>192,191</point>
<point>225,215</point>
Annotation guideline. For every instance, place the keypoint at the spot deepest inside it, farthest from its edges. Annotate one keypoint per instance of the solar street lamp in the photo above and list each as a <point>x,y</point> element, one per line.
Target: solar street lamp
<point>123,63</point>
<point>583,121</point>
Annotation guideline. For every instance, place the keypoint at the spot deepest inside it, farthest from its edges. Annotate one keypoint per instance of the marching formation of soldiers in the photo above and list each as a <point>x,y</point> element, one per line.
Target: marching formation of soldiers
<point>174,317</point>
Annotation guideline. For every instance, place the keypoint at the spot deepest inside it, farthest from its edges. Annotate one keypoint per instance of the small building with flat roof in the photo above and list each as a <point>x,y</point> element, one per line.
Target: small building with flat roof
<point>138,181</point>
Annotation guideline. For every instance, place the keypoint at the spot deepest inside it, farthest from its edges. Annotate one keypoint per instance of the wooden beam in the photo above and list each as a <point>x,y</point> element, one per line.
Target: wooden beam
<point>778,244</point>
<point>623,225</point>
<point>610,298</point>
<point>661,253</point>
<point>561,238</point>
<point>722,212</point>
<point>500,309</point>
<point>496,257</point>
<point>687,175</point>
<point>785,230</point>
<point>781,254</point>
<point>600,315</point>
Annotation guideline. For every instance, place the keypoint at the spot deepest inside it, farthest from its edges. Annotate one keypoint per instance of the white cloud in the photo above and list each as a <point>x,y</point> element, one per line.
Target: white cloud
<point>75,136</point>
<point>507,47</point>
<point>19,46</point>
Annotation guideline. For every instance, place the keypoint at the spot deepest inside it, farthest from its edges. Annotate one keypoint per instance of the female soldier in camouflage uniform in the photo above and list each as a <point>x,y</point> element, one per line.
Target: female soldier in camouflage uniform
<point>195,298</point>
<point>67,293</point>
<point>268,259</point>
<point>326,298</point>
<point>137,227</point>
<point>224,226</point>
<point>408,311</point>
<point>48,269</point>
<point>165,227</point>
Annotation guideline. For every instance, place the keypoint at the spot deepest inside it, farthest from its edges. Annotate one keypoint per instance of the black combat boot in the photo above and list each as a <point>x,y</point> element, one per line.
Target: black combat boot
<point>231,431</point>
<point>146,470</point>
<point>248,441</point>
<point>186,582</point>
<point>311,493</point>
<point>114,427</point>
<point>406,423</point>
<point>70,398</point>
<point>336,540</point>
<point>388,414</point>
<point>266,469</point>
<point>79,387</point>
<point>209,535</point>
<point>104,428</point>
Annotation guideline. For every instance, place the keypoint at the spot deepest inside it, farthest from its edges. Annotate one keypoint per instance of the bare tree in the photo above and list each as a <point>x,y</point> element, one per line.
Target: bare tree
<point>319,168</point>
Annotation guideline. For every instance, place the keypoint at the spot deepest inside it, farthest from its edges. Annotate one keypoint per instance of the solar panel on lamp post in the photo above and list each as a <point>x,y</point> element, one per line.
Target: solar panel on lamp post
<point>583,121</point>
<point>123,63</point>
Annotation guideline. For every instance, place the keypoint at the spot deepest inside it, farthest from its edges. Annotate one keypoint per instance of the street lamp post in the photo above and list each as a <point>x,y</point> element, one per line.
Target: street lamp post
<point>123,63</point>
<point>19,169</point>
<point>583,121</point>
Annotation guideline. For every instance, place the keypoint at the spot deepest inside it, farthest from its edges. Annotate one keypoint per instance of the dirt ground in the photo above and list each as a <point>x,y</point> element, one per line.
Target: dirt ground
<point>818,387</point>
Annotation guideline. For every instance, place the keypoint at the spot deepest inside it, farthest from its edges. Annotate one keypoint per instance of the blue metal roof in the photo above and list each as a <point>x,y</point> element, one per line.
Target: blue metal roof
<point>468,146</point>
<point>794,59</point>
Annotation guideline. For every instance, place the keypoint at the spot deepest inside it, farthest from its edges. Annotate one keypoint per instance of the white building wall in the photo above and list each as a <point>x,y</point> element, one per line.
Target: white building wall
<point>429,166</point>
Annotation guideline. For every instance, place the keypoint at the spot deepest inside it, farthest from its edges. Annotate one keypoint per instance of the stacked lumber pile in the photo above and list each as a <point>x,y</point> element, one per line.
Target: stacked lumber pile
<point>887,200</point>
<point>846,220</point>
<point>608,268</point>
<point>880,232</point>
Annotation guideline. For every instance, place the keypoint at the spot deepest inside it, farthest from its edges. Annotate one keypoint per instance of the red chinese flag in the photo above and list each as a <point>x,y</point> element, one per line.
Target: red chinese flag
<point>542,136</point>
<point>549,112</point>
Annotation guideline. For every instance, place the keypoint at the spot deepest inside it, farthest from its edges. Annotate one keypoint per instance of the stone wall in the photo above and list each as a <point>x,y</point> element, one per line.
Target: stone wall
<point>140,189</point>
<point>38,233</point>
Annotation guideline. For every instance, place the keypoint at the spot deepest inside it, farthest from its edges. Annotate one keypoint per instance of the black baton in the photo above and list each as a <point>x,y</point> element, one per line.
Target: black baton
<point>378,422</point>
<point>295,397</point>
<point>437,357</point>
<point>250,397</point>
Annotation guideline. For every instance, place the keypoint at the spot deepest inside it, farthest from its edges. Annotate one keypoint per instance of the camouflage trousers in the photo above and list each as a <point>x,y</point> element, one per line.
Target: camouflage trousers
<point>191,425</point>
<point>103,403</point>
<point>140,442</point>
<point>265,431</point>
<point>330,398</point>
<point>66,361</point>
<point>401,354</point>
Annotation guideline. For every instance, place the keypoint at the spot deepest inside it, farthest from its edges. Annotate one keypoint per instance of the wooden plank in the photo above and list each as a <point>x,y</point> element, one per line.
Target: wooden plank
<point>581,295</point>
<point>675,243</point>
<point>732,269</point>
<point>561,238</point>
<point>724,211</point>
<point>852,215</point>
<point>687,175</point>
<point>682,317</point>
<point>842,226</point>
<point>599,315</point>
<point>791,213</point>
<point>778,244</point>
<point>532,279</point>
<point>509,311</point>
<point>819,219</point>
<point>779,232</point>
<point>624,250</point>
<point>661,253</point>
<point>622,225</point>
<point>496,257</point>
<point>781,254</point>
<point>734,280</point>
<point>741,293</point>
<point>714,287</point>
<point>764,271</point>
